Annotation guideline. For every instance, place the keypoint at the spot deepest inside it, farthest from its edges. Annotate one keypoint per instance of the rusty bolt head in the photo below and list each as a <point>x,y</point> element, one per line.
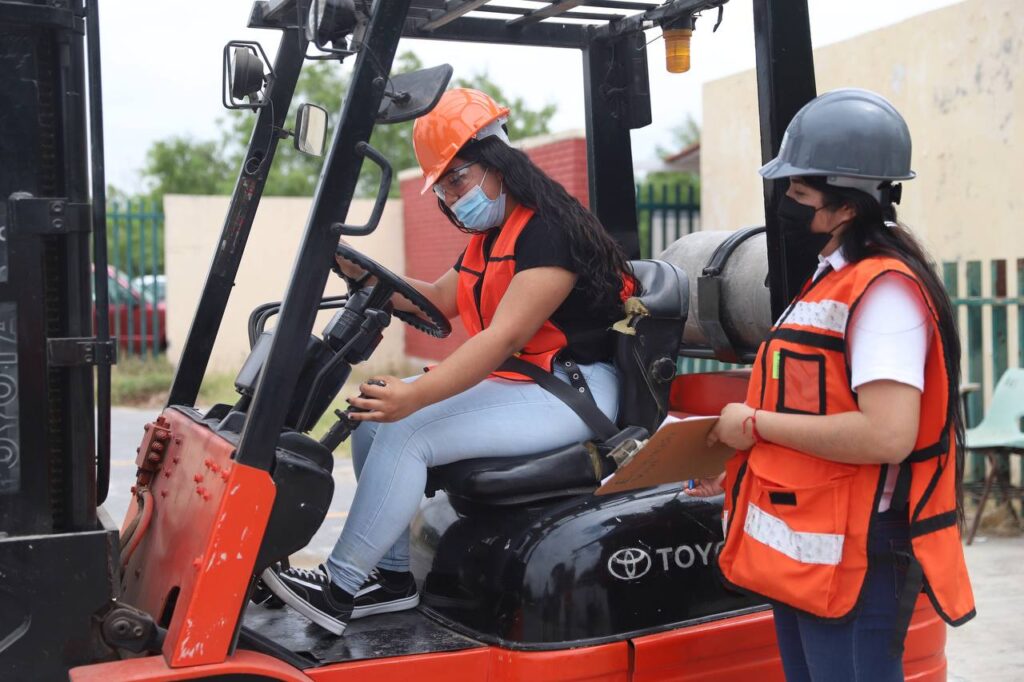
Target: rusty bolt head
<point>163,493</point>
<point>135,489</point>
<point>146,427</point>
<point>214,467</point>
<point>167,473</point>
<point>224,475</point>
<point>198,478</point>
<point>197,563</point>
<point>177,441</point>
<point>206,496</point>
<point>176,459</point>
<point>138,450</point>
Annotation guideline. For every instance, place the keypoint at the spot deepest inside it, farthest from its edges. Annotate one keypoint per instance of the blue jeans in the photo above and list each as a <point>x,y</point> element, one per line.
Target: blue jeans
<point>495,418</point>
<point>857,650</point>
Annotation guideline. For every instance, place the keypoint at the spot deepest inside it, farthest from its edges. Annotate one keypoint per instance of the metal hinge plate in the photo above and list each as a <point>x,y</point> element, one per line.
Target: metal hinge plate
<point>75,352</point>
<point>46,215</point>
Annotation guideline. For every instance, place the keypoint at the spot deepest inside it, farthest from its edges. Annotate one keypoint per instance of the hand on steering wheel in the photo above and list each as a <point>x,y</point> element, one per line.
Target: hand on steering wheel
<point>430,320</point>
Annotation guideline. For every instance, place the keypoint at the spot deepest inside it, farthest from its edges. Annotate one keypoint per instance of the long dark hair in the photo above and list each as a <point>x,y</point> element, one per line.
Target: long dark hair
<point>874,231</point>
<point>599,260</point>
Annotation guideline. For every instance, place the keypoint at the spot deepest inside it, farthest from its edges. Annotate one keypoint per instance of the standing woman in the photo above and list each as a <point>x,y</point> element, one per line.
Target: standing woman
<point>540,279</point>
<point>843,501</point>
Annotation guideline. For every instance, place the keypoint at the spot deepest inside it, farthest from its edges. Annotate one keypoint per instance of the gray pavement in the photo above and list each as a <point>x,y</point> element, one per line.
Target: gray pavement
<point>987,649</point>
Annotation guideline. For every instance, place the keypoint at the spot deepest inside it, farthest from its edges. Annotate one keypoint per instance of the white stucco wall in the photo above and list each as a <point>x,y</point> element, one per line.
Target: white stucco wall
<point>193,226</point>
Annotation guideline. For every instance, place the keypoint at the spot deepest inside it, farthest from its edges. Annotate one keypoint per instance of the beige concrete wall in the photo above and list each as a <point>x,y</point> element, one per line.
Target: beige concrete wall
<point>956,75</point>
<point>193,226</point>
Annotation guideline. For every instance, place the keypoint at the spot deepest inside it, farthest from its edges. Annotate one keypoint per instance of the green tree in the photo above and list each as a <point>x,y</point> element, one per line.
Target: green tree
<point>668,187</point>
<point>188,166</point>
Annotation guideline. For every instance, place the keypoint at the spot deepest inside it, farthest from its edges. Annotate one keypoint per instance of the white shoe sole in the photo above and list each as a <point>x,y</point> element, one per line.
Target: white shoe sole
<point>386,607</point>
<point>277,586</point>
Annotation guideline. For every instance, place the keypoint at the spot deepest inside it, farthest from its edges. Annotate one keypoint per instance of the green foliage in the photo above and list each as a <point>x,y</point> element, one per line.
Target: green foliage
<point>184,165</point>
<point>522,122</point>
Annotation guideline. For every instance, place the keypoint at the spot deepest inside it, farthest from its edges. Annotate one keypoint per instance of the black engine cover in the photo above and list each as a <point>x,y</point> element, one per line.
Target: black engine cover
<point>584,570</point>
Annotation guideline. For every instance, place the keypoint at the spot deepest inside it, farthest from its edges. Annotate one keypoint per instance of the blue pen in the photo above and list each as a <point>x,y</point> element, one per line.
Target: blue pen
<point>689,484</point>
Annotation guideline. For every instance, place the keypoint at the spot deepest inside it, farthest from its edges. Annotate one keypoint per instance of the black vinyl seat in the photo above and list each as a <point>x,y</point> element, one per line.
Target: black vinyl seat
<point>574,469</point>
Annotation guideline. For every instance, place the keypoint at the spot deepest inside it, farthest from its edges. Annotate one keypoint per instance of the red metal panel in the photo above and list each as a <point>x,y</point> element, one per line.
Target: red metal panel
<point>208,520</point>
<point>709,392</point>
<point>735,649</point>
<point>155,669</point>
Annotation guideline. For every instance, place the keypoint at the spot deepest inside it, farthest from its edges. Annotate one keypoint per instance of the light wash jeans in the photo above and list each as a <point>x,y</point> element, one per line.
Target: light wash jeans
<point>495,418</point>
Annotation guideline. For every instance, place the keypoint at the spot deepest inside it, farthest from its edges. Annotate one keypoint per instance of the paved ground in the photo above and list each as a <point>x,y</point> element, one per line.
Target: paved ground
<point>988,649</point>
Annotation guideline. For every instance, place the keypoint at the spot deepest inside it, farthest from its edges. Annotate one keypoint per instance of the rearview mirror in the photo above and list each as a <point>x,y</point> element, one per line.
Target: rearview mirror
<point>247,75</point>
<point>411,95</point>
<point>310,129</point>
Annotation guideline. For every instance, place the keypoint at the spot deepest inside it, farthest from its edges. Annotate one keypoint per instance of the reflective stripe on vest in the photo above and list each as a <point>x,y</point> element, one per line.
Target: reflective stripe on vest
<point>798,524</point>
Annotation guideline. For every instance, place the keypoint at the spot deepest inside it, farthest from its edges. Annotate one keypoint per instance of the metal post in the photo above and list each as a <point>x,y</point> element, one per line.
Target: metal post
<point>609,152</point>
<point>785,82</point>
<point>331,202</point>
<point>195,354</point>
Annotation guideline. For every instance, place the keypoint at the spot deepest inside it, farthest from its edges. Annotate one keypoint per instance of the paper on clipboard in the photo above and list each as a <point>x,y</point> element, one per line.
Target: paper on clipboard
<point>676,452</point>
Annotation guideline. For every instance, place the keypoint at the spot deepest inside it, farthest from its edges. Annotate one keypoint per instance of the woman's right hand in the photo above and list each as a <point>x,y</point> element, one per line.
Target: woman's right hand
<point>706,487</point>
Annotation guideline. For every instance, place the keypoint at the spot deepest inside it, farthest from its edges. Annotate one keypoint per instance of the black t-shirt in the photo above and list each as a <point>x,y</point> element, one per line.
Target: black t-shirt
<point>584,322</point>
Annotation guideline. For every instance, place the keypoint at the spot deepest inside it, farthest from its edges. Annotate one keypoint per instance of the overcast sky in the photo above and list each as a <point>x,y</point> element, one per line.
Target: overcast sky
<point>161,68</point>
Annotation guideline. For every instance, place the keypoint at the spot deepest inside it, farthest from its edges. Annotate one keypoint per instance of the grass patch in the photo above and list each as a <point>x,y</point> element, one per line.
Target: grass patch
<point>140,383</point>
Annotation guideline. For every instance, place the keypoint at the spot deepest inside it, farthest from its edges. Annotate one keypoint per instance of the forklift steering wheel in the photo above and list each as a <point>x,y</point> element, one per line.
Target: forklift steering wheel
<point>431,320</point>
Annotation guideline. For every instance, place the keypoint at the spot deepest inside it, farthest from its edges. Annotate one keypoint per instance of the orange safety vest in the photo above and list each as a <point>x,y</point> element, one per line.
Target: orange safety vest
<point>483,281</point>
<point>797,524</point>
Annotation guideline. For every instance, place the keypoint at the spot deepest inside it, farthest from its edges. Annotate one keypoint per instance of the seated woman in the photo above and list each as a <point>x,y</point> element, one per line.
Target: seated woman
<point>540,279</point>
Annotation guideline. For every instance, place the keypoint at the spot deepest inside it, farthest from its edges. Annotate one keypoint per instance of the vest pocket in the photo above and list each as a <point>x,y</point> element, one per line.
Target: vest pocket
<point>794,537</point>
<point>801,383</point>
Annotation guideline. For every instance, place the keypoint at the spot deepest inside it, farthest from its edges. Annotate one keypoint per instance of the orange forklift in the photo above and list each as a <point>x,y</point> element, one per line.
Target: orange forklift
<point>524,573</point>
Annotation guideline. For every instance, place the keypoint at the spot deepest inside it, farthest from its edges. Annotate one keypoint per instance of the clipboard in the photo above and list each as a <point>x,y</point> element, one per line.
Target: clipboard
<point>676,452</point>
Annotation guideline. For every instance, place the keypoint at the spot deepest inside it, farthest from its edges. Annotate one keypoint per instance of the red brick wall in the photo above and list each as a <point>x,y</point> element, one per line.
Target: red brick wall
<point>432,244</point>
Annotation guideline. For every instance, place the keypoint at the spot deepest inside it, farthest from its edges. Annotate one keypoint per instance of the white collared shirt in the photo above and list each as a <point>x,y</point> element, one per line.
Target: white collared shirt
<point>886,339</point>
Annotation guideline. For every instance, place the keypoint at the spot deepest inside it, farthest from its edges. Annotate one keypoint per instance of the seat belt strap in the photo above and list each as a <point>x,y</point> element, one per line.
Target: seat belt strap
<point>577,396</point>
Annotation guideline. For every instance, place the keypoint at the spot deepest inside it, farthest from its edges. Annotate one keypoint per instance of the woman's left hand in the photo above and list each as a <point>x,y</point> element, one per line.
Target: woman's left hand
<point>730,427</point>
<point>388,403</point>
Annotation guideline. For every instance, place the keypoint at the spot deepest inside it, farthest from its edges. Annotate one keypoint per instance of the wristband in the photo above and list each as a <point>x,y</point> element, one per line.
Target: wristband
<point>753,424</point>
<point>753,427</point>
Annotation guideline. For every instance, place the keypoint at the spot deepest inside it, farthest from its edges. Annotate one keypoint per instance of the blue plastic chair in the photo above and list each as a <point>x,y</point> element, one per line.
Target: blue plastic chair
<point>999,434</point>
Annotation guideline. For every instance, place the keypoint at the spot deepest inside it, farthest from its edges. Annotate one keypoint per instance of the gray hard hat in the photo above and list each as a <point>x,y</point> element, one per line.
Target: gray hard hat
<point>853,137</point>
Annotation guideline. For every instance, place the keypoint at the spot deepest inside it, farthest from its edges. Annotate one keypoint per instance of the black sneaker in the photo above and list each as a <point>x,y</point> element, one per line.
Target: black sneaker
<point>380,594</point>
<point>312,594</point>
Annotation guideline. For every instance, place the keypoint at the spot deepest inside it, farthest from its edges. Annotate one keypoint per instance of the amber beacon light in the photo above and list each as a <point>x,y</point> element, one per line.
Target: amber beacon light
<point>677,49</point>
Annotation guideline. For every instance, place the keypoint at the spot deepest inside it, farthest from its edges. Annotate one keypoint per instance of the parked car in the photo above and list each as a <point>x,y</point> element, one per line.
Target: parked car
<point>139,324</point>
<point>152,287</point>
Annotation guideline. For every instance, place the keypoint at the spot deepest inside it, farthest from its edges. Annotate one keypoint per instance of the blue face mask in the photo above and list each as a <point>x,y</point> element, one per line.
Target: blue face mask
<point>477,212</point>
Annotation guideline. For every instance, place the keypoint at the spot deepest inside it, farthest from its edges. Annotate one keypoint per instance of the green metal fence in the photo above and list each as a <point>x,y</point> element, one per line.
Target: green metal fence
<point>135,277</point>
<point>664,214</point>
<point>991,321</point>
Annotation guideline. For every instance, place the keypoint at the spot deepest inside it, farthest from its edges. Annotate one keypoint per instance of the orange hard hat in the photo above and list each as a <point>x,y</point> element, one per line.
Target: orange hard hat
<point>438,136</point>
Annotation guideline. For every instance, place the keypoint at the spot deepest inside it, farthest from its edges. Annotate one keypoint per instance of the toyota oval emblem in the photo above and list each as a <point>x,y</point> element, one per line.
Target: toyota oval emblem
<point>629,563</point>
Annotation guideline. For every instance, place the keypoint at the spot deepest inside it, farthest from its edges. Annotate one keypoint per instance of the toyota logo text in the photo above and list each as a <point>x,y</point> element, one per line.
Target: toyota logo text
<point>629,563</point>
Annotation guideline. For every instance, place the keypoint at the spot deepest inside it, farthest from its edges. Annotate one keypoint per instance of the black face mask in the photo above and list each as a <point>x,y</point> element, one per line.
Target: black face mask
<point>795,220</point>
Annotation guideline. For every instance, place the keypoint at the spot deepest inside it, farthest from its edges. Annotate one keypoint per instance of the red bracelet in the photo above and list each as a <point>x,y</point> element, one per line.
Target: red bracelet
<point>753,427</point>
<point>753,423</point>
